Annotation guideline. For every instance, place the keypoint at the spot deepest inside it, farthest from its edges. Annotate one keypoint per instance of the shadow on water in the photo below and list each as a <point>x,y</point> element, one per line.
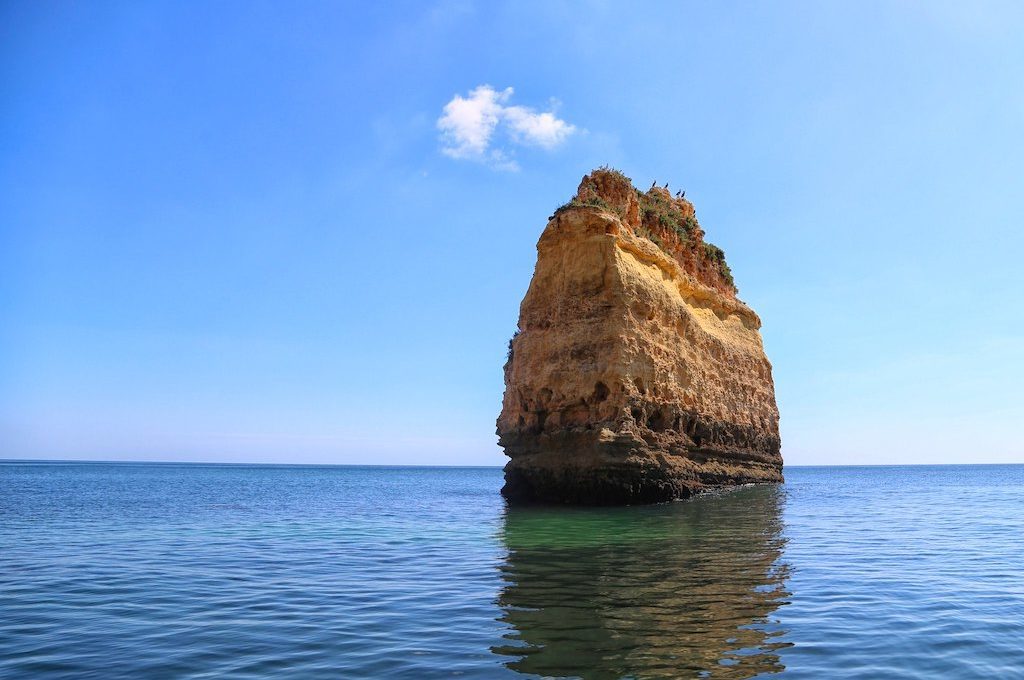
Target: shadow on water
<point>678,590</point>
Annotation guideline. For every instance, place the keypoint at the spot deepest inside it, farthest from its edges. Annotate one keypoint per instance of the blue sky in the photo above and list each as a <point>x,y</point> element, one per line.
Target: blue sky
<point>236,232</point>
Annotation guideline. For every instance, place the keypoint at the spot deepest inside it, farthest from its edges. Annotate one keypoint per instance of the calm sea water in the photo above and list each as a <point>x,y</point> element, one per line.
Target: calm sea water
<point>140,570</point>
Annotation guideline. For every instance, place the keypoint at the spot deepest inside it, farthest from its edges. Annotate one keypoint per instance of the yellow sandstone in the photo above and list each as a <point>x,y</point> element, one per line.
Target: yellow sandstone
<point>636,374</point>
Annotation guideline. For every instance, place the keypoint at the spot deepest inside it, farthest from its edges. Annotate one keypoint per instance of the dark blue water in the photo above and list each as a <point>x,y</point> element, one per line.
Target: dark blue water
<point>138,570</point>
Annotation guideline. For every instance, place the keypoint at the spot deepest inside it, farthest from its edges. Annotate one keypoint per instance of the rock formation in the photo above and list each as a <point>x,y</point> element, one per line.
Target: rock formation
<point>636,375</point>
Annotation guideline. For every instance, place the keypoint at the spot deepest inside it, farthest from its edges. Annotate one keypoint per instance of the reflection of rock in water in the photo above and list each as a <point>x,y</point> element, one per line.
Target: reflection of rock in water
<point>678,590</point>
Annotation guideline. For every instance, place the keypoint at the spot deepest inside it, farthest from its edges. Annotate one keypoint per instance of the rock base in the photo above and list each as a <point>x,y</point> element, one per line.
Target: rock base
<point>587,467</point>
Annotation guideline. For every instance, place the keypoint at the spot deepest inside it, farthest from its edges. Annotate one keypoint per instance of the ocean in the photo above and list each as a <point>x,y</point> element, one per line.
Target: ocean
<point>185,571</point>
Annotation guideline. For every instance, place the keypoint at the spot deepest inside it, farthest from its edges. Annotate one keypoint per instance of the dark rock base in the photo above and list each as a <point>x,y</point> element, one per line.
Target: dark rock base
<point>589,467</point>
<point>593,486</point>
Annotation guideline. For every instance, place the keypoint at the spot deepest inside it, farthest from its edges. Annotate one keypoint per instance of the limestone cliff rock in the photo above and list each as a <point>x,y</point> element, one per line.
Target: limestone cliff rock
<point>636,374</point>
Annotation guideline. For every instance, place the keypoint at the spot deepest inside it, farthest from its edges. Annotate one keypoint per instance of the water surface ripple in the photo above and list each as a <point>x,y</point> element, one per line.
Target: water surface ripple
<point>157,570</point>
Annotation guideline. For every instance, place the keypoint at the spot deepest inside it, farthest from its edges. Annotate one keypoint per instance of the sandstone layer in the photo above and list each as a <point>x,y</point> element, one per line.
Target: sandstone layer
<point>636,374</point>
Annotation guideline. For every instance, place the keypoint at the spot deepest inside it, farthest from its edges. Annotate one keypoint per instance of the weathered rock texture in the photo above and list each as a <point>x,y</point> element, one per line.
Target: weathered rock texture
<point>636,375</point>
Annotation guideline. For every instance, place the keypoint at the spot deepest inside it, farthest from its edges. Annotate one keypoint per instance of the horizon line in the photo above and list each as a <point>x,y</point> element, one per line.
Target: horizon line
<point>65,461</point>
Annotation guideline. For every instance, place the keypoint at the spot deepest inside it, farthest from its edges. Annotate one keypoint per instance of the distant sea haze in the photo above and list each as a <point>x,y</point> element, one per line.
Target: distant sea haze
<point>113,570</point>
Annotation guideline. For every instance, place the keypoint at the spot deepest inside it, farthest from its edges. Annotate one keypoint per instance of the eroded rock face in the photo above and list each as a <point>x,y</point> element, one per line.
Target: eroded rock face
<point>636,376</point>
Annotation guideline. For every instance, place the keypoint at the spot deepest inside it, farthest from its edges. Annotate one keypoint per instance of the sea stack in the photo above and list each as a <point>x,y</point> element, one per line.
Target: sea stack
<point>636,375</point>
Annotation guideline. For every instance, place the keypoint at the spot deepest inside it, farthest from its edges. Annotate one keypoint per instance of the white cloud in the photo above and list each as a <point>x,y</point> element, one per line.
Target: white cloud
<point>540,129</point>
<point>468,126</point>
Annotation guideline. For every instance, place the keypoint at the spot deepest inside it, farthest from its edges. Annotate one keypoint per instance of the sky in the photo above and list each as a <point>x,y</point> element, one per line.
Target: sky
<point>300,232</point>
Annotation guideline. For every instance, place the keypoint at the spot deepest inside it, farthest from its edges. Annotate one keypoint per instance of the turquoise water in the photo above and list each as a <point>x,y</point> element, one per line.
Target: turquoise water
<point>155,570</point>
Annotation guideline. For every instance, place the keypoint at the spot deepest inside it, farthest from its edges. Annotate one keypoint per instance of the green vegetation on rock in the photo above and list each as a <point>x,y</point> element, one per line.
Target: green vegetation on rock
<point>655,215</point>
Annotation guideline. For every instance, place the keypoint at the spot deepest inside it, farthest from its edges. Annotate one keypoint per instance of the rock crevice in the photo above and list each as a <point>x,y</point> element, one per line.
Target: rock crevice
<point>636,374</point>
